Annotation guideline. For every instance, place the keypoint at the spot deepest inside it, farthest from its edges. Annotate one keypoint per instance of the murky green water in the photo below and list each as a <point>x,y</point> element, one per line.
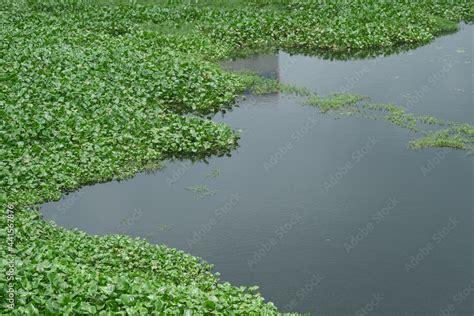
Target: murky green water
<point>334,217</point>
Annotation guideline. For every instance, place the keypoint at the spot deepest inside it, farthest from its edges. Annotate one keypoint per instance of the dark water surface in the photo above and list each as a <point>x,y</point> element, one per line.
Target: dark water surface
<point>328,216</point>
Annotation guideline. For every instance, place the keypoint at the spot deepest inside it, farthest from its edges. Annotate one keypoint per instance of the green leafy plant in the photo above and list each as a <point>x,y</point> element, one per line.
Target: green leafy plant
<point>456,136</point>
<point>397,115</point>
<point>202,191</point>
<point>214,173</point>
<point>336,102</point>
<point>97,90</point>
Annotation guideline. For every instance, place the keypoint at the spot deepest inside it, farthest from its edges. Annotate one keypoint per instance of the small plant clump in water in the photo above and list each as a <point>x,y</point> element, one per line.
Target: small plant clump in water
<point>457,136</point>
<point>202,191</point>
<point>258,85</point>
<point>336,101</point>
<point>430,120</point>
<point>292,89</point>
<point>214,173</point>
<point>396,115</point>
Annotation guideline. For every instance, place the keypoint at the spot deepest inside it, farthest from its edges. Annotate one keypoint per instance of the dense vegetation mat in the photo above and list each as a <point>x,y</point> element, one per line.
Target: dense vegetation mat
<point>91,91</point>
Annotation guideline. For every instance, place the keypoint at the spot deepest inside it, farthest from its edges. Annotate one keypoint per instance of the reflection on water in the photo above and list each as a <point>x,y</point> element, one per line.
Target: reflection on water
<point>334,217</point>
<point>265,65</point>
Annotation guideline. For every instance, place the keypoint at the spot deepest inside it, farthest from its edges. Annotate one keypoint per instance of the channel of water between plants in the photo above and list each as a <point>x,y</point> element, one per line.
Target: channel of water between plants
<point>334,216</point>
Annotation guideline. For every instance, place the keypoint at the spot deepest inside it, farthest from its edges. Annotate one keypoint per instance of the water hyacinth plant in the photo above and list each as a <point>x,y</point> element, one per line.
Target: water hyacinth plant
<point>458,136</point>
<point>336,102</point>
<point>397,115</point>
<point>97,90</point>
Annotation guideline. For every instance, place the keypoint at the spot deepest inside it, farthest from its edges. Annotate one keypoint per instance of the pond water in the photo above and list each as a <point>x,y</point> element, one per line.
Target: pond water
<point>328,216</point>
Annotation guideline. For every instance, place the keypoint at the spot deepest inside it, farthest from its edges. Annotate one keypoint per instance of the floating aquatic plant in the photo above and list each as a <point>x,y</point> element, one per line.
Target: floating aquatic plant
<point>457,136</point>
<point>430,120</point>
<point>214,173</point>
<point>397,115</point>
<point>336,101</point>
<point>258,85</point>
<point>202,191</point>
<point>87,87</point>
